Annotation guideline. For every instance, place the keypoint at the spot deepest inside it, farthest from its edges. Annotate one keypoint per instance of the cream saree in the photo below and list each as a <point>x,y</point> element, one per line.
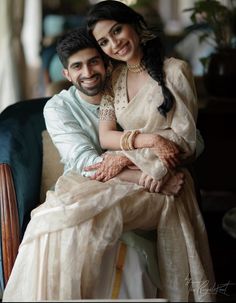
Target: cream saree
<point>179,126</point>
<point>61,253</point>
<point>67,236</point>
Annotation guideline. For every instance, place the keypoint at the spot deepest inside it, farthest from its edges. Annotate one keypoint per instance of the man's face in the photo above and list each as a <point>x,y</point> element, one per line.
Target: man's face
<point>87,72</point>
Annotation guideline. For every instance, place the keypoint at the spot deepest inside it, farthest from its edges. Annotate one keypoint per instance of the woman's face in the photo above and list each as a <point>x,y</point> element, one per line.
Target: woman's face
<point>119,41</point>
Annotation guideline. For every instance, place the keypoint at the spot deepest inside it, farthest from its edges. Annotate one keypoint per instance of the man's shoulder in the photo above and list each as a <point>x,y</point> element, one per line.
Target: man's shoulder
<point>62,98</point>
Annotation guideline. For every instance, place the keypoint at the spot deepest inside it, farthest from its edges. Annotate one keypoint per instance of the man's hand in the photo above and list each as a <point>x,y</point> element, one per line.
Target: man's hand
<point>171,184</point>
<point>167,151</point>
<point>111,166</point>
<point>149,183</point>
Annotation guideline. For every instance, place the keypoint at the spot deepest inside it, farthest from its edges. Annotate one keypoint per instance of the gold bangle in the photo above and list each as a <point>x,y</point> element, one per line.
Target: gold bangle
<point>124,140</point>
<point>132,137</point>
<point>127,139</point>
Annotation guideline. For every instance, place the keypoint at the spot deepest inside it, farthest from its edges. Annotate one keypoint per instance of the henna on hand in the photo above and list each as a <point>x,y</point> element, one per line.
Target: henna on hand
<point>111,166</point>
<point>167,151</point>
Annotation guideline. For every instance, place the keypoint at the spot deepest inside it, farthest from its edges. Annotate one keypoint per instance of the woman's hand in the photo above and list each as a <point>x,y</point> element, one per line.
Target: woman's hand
<point>111,166</point>
<point>167,151</point>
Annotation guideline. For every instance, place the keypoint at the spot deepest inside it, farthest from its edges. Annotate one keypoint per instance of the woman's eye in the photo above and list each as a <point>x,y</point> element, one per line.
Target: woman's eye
<point>117,30</point>
<point>103,43</point>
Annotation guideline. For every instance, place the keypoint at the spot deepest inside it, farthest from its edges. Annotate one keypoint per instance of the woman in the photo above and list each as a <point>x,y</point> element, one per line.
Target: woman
<point>152,94</point>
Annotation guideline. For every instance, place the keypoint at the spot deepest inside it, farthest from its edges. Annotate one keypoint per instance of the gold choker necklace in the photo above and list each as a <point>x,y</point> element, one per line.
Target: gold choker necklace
<point>136,68</point>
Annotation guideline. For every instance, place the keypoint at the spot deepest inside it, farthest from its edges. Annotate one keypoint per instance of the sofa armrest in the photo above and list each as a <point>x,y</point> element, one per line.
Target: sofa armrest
<point>21,127</point>
<point>10,229</point>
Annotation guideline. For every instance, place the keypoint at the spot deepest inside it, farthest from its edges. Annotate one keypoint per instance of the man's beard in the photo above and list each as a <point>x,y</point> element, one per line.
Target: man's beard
<point>91,91</point>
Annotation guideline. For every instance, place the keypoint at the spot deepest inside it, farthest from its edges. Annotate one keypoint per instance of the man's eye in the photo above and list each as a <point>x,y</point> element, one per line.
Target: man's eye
<point>77,66</point>
<point>94,62</point>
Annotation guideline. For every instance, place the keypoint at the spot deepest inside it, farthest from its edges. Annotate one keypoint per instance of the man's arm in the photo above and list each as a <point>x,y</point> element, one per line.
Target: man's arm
<point>76,148</point>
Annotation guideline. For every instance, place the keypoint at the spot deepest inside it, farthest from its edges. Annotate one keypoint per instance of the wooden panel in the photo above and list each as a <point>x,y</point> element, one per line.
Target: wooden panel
<point>10,229</point>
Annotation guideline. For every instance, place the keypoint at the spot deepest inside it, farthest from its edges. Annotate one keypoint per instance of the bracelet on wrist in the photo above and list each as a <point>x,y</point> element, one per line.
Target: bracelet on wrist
<point>127,139</point>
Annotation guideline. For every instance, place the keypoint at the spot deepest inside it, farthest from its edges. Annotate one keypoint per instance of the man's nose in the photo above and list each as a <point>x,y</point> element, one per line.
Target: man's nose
<point>87,71</point>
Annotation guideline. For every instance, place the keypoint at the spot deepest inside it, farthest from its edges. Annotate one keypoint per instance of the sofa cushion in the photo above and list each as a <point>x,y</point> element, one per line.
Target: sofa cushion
<point>52,168</point>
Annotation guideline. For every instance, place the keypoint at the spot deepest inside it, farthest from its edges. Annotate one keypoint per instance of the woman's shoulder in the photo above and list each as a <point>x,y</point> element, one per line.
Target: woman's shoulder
<point>175,67</point>
<point>175,63</point>
<point>118,73</point>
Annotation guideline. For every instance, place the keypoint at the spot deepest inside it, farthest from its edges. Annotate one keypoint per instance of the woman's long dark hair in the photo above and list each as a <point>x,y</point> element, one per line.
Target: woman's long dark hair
<point>153,51</point>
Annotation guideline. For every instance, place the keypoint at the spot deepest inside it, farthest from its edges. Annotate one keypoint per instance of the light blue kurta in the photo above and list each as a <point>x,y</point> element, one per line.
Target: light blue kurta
<point>73,126</point>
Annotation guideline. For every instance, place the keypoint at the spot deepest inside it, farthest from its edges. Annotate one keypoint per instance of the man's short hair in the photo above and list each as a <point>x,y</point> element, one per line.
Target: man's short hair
<point>76,40</point>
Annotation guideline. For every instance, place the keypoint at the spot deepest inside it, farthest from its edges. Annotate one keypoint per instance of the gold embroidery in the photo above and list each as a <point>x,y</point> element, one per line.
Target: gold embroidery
<point>119,270</point>
<point>107,111</point>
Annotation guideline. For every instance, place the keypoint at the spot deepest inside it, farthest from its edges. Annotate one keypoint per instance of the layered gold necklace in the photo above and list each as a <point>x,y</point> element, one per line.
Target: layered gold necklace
<point>136,68</point>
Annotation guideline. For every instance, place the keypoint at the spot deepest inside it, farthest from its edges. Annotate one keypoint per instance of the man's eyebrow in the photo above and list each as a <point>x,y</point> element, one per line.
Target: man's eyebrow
<point>75,63</point>
<point>95,57</point>
<point>109,31</point>
<point>79,62</point>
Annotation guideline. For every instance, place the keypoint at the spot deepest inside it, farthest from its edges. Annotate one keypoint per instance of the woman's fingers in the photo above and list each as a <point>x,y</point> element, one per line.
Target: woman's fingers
<point>170,161</point>
<point>97,176</point>
<point>167,151</point>
<point>93,167</point>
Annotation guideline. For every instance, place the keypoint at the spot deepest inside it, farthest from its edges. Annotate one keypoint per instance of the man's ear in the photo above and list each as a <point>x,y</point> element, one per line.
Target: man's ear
<point>66,74</point>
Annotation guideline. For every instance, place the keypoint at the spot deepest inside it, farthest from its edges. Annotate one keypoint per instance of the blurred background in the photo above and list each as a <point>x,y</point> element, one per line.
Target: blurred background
<point>29,66</point>
<point>30,69</point>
